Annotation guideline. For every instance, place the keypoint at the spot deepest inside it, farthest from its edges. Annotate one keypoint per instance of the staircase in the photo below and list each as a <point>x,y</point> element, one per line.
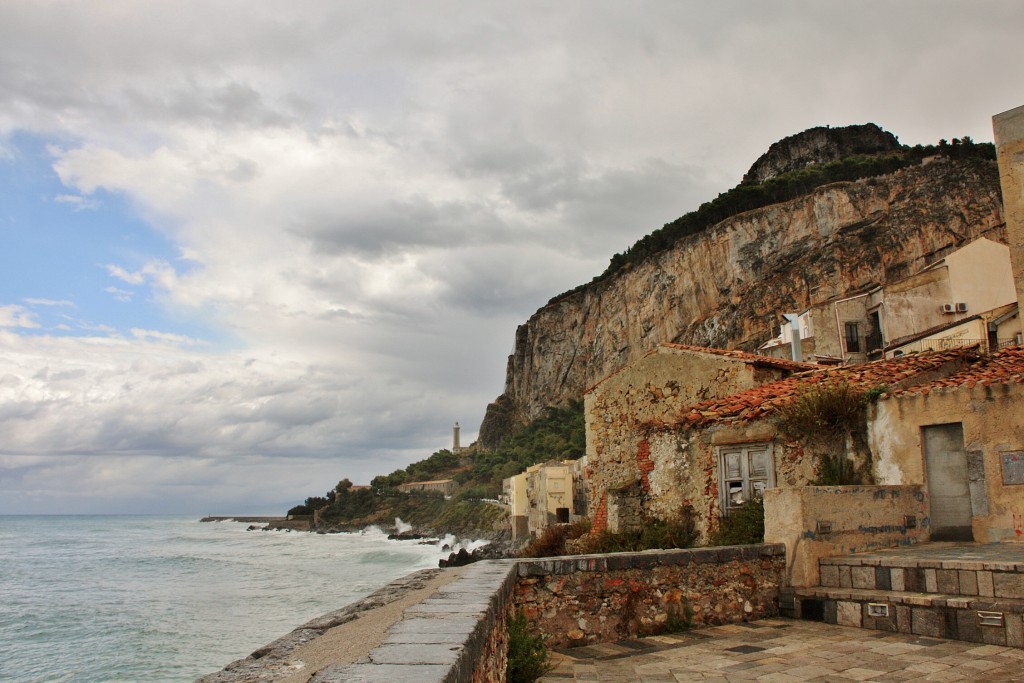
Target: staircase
<point>960,591</point>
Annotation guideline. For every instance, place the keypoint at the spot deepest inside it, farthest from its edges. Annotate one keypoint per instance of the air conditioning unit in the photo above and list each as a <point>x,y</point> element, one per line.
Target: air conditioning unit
<point>961,308</point>
<point>948,308</point>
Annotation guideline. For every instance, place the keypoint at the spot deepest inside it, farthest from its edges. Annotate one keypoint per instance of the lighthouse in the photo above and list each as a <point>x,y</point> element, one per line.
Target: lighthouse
<point>455,439</point>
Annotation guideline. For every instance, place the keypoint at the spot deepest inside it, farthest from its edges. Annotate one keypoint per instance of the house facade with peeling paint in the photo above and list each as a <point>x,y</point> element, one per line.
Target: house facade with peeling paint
<point>708,458</point>
<point>654,389</point>
<point>963,438</point>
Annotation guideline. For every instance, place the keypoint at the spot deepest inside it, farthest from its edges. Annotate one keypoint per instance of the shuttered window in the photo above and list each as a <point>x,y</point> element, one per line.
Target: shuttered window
<point>744,472</point>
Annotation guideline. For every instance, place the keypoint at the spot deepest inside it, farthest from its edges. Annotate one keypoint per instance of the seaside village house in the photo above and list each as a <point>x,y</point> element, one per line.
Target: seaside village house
<point>545,494</point>
<point>706,459</point>
<point>966,298</point>
<point>654,389</point>
<point>445,487</point>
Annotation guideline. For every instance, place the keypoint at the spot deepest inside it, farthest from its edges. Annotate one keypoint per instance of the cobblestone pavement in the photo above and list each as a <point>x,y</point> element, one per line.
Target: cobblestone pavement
<point>785,650</point>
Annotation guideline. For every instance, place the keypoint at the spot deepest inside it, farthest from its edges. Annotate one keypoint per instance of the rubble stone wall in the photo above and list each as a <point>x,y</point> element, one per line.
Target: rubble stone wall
<point>598,598</point>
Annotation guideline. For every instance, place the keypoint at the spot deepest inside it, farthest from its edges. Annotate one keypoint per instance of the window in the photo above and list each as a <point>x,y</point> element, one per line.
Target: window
<point>852,337</point>
<point>744,472</point>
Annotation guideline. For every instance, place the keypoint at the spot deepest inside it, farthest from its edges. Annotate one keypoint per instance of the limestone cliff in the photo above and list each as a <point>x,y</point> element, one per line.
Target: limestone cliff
<point>725,286</point>
<point>818,146</point>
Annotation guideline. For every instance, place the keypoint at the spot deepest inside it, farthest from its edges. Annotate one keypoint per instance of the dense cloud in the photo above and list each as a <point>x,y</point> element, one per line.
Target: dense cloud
<point>362,200</point>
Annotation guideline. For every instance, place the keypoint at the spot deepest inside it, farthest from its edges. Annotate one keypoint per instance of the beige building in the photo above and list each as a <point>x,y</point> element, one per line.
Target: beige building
<point>973,280</point>
<point>1009,138</point>
<point>988,332</point>
<point>962,437</point>
<point>549,494</point>
<point>445,487</point>
<point>514,494</point>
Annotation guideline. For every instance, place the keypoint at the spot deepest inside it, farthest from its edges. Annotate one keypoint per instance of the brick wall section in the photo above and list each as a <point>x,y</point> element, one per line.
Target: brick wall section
<point>600,522</point>
<point>600,598</point>
<point>643,463</point>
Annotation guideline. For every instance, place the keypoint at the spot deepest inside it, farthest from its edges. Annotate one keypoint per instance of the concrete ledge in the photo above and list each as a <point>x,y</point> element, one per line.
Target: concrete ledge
<point>444,637</point>
<point>647,559</point>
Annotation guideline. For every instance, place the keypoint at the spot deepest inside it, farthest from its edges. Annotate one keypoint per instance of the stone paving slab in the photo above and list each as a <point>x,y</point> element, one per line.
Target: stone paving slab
<point>787,651</point>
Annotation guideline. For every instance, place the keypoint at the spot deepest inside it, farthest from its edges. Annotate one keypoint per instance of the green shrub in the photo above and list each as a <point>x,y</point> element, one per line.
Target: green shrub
<point>656,534</point>
<point>823,411</point>
<point>528,657</point>
<point>679,619</point>
<point>743,526</point>
<point>551,541</point>
<point>835,469</point>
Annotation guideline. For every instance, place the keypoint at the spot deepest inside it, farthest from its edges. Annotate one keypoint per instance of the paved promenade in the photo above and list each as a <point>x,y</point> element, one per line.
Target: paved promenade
<point>785,650</point>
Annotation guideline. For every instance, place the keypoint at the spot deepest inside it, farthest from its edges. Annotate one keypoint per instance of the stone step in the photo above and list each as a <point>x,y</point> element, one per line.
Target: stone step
<point>986,579</point>
<point>990,620</point>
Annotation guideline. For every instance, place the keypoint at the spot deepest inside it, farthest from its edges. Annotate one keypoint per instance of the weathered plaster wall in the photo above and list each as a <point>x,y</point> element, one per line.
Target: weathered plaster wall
<point>829,334</point>
<point>993,423</point>
<point>685,468</point>
<point>599,598</point>
<point>821,521</point>
<point>980,275</point>
<point>654,389</point>
<point>1009,138</point>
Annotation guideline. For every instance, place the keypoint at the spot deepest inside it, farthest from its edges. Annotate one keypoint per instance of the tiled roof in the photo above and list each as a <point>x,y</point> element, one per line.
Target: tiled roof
<point>752,359</point>
<point>999,368</point>
<point>765,399</point>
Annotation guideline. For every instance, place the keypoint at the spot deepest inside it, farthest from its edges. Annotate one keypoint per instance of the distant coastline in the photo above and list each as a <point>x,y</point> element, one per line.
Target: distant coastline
<point>252,519</point>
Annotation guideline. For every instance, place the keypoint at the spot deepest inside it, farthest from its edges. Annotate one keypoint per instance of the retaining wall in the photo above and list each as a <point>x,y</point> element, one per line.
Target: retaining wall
<point>599,598</point>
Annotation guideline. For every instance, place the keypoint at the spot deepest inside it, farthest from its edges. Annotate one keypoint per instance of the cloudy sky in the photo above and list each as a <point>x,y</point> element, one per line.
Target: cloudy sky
<point>249,249</point>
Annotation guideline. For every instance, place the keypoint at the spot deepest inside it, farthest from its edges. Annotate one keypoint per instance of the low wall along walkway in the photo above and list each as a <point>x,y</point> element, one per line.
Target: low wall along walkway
<point>459,632</point>
<point>601,598</point>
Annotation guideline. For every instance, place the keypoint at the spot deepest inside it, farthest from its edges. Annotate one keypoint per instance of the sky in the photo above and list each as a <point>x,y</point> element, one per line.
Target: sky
<point>250,249</point>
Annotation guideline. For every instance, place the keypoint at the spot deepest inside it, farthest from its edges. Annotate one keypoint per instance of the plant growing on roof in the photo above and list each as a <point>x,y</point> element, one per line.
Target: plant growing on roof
<point>832,417</point>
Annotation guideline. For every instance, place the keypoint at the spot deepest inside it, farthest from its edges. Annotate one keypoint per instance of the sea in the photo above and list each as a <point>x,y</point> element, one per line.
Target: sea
<point>96,599</point>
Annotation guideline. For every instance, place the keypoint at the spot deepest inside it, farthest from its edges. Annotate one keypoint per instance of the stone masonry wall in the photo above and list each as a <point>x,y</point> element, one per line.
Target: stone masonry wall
<point>599,598</point>
<point>654,389</point>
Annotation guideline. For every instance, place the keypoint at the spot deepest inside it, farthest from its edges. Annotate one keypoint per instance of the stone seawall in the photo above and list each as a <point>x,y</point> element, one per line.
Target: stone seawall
<point>600,598</point>
<point>456,629</point>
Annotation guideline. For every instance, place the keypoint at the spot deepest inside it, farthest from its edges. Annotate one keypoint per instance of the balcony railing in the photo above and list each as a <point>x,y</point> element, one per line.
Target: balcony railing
<point>873,341</point>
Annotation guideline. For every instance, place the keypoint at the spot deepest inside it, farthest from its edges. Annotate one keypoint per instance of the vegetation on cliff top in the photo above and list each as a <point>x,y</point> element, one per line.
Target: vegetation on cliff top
<point>748,196</point>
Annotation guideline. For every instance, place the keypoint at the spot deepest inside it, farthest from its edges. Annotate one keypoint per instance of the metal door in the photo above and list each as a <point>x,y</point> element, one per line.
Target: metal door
<point>948,486</point>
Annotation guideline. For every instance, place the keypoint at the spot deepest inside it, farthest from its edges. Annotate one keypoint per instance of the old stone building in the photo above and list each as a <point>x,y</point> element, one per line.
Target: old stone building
<point>656,389</point>
<point>445,487</point>
<point>714,455</point>
<point>549,494</point>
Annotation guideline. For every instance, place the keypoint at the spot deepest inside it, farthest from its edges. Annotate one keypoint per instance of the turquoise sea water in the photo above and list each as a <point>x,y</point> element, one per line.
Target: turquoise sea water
<point>106,598</point>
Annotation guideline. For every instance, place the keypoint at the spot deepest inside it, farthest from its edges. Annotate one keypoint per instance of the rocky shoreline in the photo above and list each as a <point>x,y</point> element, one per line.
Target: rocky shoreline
<point>499,545</point>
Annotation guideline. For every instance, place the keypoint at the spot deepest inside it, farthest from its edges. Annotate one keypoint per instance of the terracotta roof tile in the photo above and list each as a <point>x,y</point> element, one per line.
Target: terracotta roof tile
<point>766,398</point>
<point>1001,367</point>
<point>753,359</point>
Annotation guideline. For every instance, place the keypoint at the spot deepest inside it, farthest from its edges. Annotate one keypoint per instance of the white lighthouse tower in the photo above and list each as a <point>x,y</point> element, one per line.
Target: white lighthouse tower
<point>456,447</point>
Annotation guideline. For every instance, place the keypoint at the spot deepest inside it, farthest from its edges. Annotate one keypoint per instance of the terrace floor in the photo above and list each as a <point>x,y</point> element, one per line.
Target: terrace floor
<point>785,650</point>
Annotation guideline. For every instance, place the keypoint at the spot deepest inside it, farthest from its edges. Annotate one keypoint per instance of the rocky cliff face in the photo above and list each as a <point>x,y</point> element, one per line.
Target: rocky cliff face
<point>726,286</point>
<point>819,146</point>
